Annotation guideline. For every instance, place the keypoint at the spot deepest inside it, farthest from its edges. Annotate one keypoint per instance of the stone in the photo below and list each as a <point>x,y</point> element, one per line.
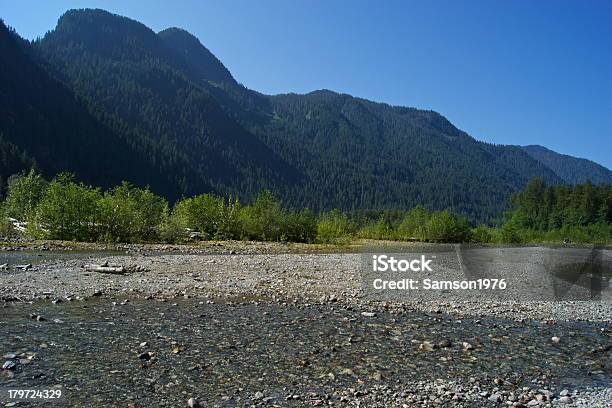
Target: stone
<point>9,365</point>
<point>548,394</point>
<point>192,403</point>
<point>495,398</point>
<point>555,339</point>
<point>445,344</point>
<point>145,356</point>
<point>426,346</point>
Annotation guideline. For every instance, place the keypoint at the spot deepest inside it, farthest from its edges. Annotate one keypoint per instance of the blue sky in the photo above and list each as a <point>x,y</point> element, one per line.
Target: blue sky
<point>512,72</point>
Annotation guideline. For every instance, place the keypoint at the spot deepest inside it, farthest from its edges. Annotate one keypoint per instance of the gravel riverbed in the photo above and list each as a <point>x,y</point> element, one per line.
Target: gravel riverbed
<point>265,326</point>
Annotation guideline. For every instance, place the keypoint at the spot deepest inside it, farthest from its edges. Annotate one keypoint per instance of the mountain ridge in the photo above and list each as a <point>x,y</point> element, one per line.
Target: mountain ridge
<point>573,170</point>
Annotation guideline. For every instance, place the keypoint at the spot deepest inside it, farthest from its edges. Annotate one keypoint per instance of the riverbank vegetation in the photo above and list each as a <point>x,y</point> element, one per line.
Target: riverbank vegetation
<point>68,210</point>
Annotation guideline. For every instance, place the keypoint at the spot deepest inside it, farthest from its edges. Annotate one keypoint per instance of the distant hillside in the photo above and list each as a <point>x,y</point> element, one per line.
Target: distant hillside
<point>178,113</point>
<point>571,169</point>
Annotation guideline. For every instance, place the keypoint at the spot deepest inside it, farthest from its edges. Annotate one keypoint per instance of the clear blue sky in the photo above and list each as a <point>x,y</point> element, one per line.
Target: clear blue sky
<point>512,72</point>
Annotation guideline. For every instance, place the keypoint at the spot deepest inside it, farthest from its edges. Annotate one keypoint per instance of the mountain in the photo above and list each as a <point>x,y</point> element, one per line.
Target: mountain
<point>178,107</point>
<point>133,82</point>
<point>43,124</point>
<point>363,154</point>
<point>571,169</point>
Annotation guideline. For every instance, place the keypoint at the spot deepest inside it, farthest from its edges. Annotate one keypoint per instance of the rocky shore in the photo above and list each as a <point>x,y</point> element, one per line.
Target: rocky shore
<point>282,325</point>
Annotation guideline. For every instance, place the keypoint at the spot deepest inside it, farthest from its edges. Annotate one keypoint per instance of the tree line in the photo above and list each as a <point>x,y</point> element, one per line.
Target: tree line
<point>65,209</point>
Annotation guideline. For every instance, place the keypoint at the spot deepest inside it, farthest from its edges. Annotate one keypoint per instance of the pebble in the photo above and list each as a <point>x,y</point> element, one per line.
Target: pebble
<point>192,403</point>
<point>495,398</point>
<point>426,346</point>
<point>145,356</point>
<point>9,365</point>
<point>445,344</point>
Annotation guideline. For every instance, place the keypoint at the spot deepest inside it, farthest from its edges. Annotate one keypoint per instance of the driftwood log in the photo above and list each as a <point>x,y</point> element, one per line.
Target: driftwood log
<point>105,268</point>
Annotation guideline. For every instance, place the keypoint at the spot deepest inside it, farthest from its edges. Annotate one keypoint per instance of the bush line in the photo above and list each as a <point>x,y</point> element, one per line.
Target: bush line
<point>68,210</point>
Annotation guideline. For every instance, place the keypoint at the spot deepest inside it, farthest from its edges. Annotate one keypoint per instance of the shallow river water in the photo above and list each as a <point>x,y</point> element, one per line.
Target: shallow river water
<point>228,353</point>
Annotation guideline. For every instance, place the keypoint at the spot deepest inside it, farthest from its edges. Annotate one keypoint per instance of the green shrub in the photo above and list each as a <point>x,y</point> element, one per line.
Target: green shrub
<point>228,224</point>
<point>482,235</point>
<point>172,232</point>
<point>67,211</point>
<point>444,226</point>
<point>129,214</point>
<point>23,195</point>
<point>380,229</point>
<point>510,232</point>
<point>299,226</point>
<point>263,219</point>
<point>333,227</point>
<point>200,213</point>
<point>414,224</point>
<point>6,227</point>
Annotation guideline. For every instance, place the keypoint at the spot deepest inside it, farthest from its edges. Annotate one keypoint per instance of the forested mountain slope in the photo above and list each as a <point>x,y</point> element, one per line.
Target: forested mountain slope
<point>175,103</point>
<point>134,82</point>
<point>43,124</point>
<point>365,154</point>
<point>571,169</point>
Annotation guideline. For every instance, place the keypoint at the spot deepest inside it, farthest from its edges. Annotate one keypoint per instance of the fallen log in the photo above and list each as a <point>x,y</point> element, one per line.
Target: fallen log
<point>104,268</point>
